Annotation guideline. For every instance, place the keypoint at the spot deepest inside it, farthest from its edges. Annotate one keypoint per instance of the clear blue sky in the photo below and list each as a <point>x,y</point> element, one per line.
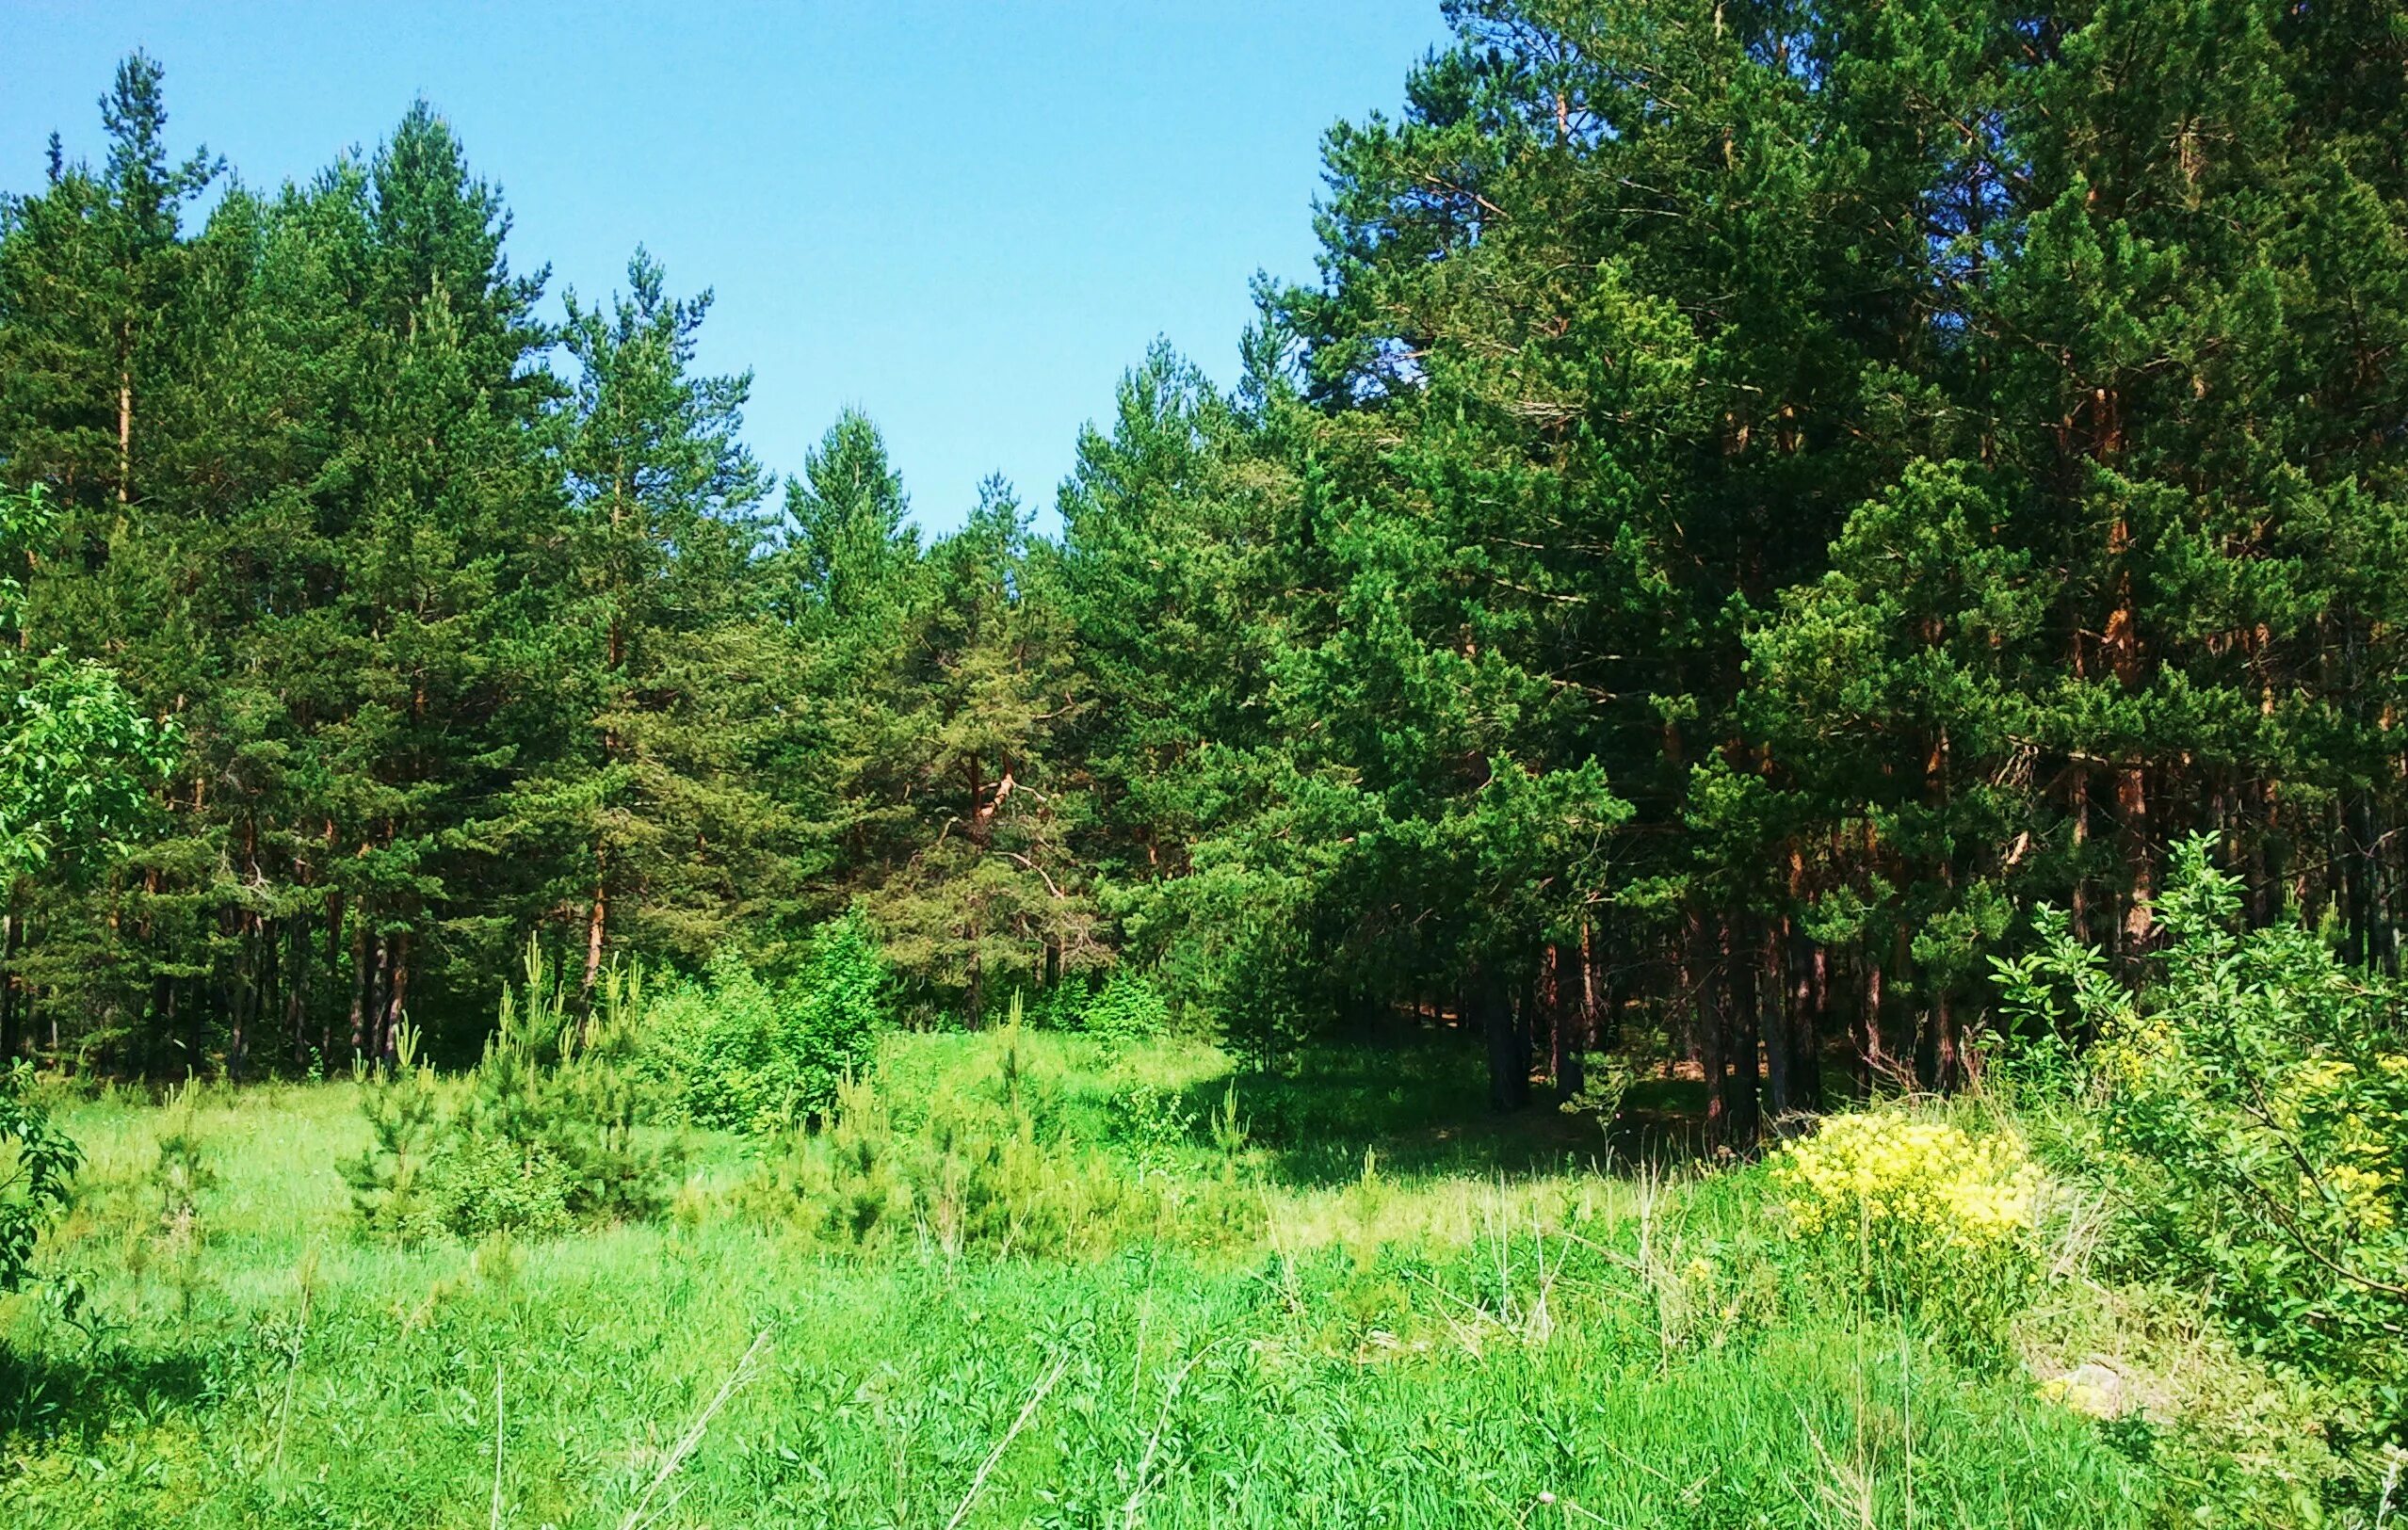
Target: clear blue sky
<point>966,217</point>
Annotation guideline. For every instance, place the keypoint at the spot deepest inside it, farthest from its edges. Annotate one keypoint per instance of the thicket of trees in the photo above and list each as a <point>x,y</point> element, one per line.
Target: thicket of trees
<point>1759,497</point>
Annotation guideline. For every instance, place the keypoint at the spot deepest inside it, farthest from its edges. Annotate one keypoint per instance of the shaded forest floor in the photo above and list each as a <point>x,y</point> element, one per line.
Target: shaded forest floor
<point>1348,1297</point>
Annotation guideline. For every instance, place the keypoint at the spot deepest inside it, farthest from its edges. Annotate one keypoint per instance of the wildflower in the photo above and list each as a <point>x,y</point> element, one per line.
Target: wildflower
<point>1926,1185</point>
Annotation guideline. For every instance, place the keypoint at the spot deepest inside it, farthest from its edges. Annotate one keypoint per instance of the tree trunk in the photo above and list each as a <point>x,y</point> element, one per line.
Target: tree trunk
<point>125,413</point>
<point>297,983</point>
<point>1745,1112</point>
<point>1870,1060</point>
<point>2132,807</point>
<point>1703,982</point>
<point>396,1007</point>
<point>12,934</point>
<point>1571,1018</point>
<point>2359,872</point>
<point>597,923</point>
<point>1901,963</point>
<point>1509,1060</point>
<point>1773,1005</point>
<point>1809,1000</point>
<point>975,1002</point>
<point>360,982</point>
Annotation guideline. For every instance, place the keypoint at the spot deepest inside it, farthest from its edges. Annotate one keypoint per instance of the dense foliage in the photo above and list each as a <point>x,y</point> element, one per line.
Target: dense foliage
<point>2251,1109</point>
<point>737,1051</point>
<point>1758,500</point>
<point>1792,557</point>
<point>966,1307</point>
<point>37,1163</point>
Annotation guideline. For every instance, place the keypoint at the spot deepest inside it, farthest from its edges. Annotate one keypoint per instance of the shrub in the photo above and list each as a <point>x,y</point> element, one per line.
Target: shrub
<point>1919,1212</point>
<point>1062,1006</point>
<point>1923,1188</point>
<point>488,1185</point>
<point>1127,1008</point>
<point>546,1136</point>
<point>740,1055</point>
<point>2249,1108</point>
<point>37,1161</point>
<point>1155,1127</point>
<point>721,1043</point>
<point>975,1177</point>
<point>845,989</point>
<point>565,1097</point>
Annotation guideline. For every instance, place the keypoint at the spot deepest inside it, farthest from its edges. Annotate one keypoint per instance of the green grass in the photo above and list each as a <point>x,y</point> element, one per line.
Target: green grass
<point>1479,1328</point>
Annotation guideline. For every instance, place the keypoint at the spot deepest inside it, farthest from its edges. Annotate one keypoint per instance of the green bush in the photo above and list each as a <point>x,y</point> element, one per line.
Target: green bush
<point>740,1053</point>
<point>971,1176</point>
<point>1127,1008</point>
<point>1063,1006</point>
<point>720,1044</point>
<point>1155,1127</point>
<point>2248,1107</point>
<point>486,1185</point>
<point>37,1161</point>
<point>1914,1213</point>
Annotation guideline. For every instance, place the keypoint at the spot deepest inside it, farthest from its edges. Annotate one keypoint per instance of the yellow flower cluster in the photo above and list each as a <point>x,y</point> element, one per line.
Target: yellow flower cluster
<point>2133,1048</point>
<point>2363,1194</point>
<point>1923,1183</point>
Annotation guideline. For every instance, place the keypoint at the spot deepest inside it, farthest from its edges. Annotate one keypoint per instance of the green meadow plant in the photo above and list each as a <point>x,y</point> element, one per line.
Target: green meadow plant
<point>973,1176</point>
<point>1127,1009</point>
<point>1915,1214</point>
<point>37,1163</point>
<point>545,1132</point>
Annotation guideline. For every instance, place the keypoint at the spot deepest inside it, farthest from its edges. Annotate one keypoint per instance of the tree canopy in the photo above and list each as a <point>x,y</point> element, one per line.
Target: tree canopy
<point>1756,499</point>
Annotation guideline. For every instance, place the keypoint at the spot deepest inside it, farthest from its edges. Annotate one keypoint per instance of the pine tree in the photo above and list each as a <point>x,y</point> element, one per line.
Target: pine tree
<point>664,655</point>
<point>1169,566</point>
<point>986,894</point>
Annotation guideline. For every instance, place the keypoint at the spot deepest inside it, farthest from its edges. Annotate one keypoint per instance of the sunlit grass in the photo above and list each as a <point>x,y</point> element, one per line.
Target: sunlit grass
<point>1443,1335</point>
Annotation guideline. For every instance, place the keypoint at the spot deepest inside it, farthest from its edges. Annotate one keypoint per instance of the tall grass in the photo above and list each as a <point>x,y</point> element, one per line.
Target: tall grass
<point>1470,1329</point>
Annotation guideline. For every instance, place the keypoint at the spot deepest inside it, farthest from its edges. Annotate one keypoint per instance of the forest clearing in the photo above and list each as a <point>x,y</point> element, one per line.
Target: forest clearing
<point>1721,841</point>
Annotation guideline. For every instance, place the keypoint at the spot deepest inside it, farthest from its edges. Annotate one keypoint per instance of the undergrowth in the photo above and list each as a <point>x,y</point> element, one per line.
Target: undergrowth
<point>1035,1278</point>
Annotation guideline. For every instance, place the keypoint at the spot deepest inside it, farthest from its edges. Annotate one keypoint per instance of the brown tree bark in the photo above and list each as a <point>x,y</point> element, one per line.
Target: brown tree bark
<point>1772,1004</point>
<point>1508,1058</point>
<point>1744,1048</point>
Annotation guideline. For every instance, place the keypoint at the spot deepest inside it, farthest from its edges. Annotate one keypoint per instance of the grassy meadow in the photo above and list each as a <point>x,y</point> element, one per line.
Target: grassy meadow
<point>1162,1295</point>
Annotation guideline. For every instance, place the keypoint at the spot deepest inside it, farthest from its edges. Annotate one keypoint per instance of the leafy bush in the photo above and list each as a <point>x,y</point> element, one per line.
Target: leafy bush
<point>1062,1006</point>
<point>740,1053</point>
<point>487,1185</point>
<point>974,1176</point>
<point>1127,1008</point>
<point>1924,1188</point>
<point>2250,1109</point>
<point>1155,1127</point>
<point>37,1161</point>
<point>722,1043</point>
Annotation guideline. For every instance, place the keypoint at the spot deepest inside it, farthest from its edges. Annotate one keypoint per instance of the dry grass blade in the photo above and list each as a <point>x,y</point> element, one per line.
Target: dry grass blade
<point>641,1514</point>
<point>306,1279</point>
<point>495,1519</point>
<point>1153,1440</point>
<point>1028,1410</point>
